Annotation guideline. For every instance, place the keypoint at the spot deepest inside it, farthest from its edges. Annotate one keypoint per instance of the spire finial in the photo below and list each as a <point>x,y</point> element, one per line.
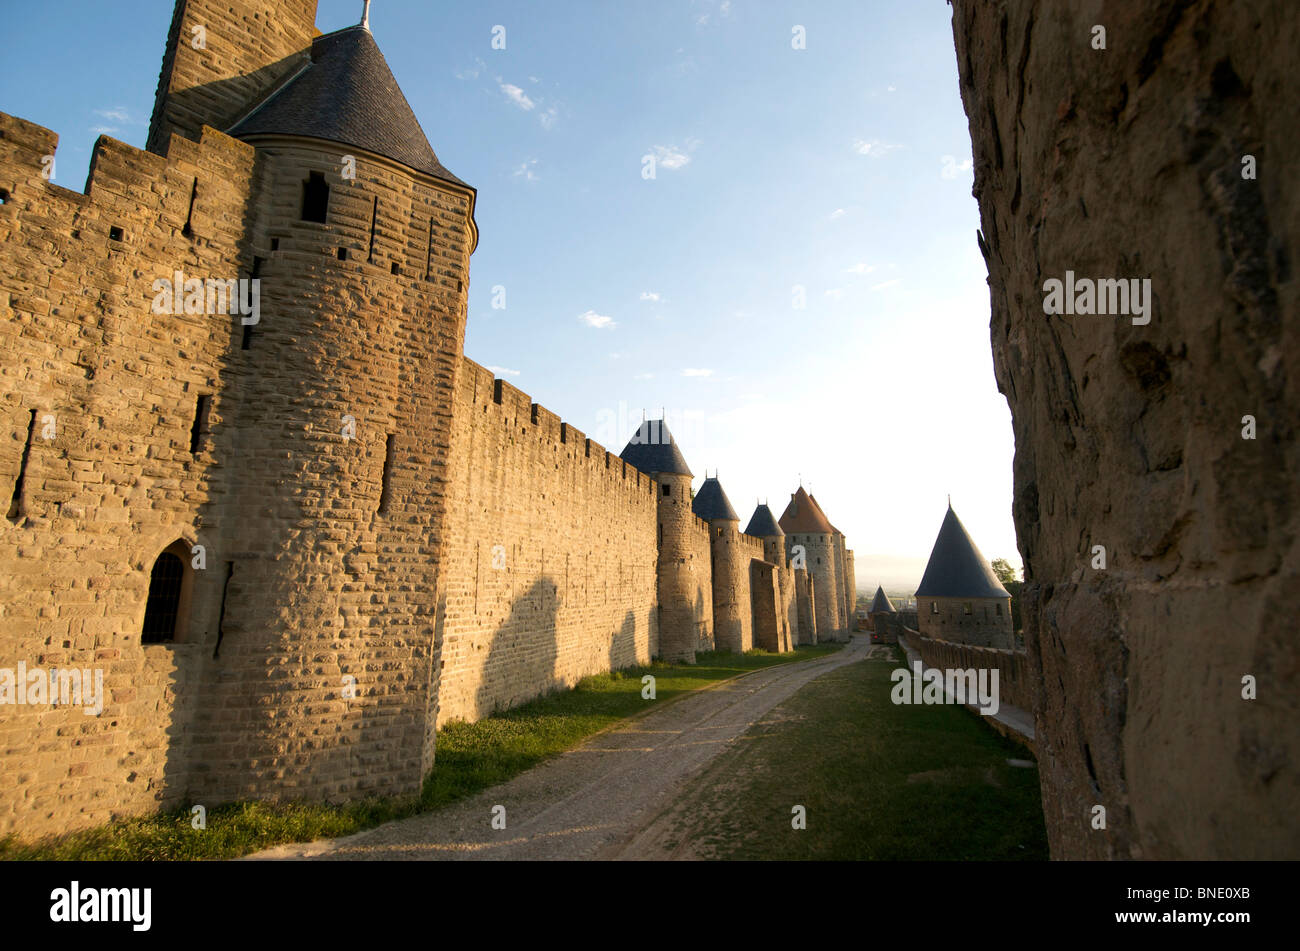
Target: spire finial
<point>365,16</point>
<point>949,500</point>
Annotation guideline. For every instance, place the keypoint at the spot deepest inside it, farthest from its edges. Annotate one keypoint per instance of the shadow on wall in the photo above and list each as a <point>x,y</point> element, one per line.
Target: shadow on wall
<point>622,646</point>
<point>521,658</point>
<point>198,101</point>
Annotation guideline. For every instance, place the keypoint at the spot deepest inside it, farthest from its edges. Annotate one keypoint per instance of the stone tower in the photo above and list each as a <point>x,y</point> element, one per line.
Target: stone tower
<point>222,58</point>
<point>684,591</point>
<point>783,637</point>
<point>732,617</point>
<point>343,429</point>
<point>807,529</point>
<point>960,598</point>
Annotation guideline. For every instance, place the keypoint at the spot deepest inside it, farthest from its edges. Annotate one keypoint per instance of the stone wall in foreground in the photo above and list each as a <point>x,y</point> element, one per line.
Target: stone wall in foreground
<point>1127,162</point>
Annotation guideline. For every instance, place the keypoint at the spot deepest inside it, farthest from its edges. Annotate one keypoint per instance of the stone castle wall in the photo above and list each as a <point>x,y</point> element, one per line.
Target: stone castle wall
<point>115,483</point>
<point>805,611</point>
<point>819,552</point>
<point>552,548</point>
<point>698,584</point>
<point>391,539</point>
<point>1015,683</point>
<point>733,616</point>
<point>1128,163</point>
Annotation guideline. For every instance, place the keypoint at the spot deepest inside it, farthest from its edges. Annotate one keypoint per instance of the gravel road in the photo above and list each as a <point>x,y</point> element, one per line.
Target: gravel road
<point>598,800</point>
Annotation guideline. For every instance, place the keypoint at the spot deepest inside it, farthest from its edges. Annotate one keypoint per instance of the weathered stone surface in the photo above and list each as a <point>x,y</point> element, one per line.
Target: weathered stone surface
<point>1127,162</point>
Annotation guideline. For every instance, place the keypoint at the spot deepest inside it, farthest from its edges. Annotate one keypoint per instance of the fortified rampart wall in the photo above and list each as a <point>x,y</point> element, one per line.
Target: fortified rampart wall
<point>552,547</point>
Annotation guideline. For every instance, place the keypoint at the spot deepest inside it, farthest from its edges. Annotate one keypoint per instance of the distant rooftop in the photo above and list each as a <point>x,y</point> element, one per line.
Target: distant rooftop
<point>762,523</point>
<point>711,502</point>
<point>803,516</point>
<point>652,449</point>
<point>956,568</point>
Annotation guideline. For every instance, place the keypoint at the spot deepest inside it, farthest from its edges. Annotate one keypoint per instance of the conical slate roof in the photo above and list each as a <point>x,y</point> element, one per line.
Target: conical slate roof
<point>762,523</point>
<point>347,94</point>
<point>956,568</point>
<point>803,516</point>
<point>881,603</point>
<point>711,502</point>
<point>652,449</point>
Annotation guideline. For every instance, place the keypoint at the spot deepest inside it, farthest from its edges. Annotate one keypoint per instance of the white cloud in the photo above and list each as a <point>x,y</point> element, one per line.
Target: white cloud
<point>651,296</point>
<point>883,285</point>
<point>889,89</point>
<point>547,118</point>
<point>694,371</point>
<point>116,114</point>
<point>473,72</point>
<point>835,293</point>
<point>951,169</point>
<point>503,371</point>
<point>645,376</point>
<point>525,170</point>
<point>517,96</point>
<point>862,267</point>
<point>670,157</point>
<point>104,130</point>
<point>875,148</point>
<point>838,213</point>
<point>599,321</point>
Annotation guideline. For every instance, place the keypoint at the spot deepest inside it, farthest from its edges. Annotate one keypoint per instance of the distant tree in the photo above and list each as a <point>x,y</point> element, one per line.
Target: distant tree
<point>1007,575</point>
<point>1002,568</point>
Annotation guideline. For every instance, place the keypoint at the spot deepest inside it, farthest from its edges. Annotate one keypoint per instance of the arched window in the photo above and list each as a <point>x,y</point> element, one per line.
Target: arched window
<point>166,610</point>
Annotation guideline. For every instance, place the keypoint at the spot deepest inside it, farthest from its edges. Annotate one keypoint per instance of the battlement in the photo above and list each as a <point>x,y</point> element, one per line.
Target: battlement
<point>143,210</point>
<point>486,395</point>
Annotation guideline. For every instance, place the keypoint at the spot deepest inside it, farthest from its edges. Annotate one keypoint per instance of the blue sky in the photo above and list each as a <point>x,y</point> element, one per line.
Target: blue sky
<point>842,169</point>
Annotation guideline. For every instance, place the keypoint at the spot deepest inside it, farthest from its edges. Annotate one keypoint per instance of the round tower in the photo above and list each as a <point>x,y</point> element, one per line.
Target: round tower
<point>732,618</point>
<point>339,426</point>
<point>810,544</point>
<point>781,636</point>
<point>681,574</point>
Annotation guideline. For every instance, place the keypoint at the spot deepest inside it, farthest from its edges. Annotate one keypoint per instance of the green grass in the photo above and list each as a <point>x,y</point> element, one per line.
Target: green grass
<point>879,781</point>
<point>470,757</point>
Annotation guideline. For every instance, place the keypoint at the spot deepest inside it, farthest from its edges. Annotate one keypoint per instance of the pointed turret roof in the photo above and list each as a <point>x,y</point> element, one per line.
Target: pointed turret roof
<point>347,94</point>
<point>762,524</point>
<point>813,499</point>
<point>652,449</point>
<point>804,516</point>
<point>881,603</point>
<point>956,568</point>
<point>711,502</point>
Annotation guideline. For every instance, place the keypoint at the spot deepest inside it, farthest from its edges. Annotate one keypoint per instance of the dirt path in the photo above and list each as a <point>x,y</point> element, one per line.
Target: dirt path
<point>595,800</point>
